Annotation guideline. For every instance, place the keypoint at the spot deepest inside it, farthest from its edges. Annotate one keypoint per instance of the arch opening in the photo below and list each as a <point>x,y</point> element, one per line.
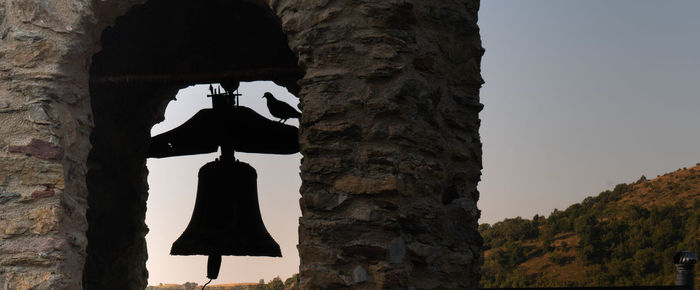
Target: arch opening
<point>148,55</point>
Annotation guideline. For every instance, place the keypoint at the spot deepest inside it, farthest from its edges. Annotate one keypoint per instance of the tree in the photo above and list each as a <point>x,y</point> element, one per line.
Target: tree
<point>291,281</point>
<point>261,285</point>
<point>642,179</point>
<point>275,284</point>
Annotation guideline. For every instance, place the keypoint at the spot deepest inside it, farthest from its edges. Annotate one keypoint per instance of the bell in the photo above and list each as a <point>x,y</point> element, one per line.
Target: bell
<point>226,218</point>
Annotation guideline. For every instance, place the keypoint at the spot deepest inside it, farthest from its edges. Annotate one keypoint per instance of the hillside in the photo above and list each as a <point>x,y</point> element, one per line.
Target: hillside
<point>275,284</point>
<point>621,237</point>
<point>193,286</point>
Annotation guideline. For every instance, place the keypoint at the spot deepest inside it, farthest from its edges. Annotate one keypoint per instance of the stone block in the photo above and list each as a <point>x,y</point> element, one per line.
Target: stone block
<point>359,275</point>
<point>39,148</point>
<point>353,184</point>
<point>397,251</point>
<point>27,279</point>
<point>13,227</point>
<point>6,196</point>
<point>25,174</point>
<point>365,252</point>
<point>31,55</point>
<point>324,200</point>
<point>43,220</point>
<point>43,193</point>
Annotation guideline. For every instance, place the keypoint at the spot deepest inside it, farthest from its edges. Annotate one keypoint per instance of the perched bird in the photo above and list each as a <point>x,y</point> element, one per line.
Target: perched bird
<point>280,109</point>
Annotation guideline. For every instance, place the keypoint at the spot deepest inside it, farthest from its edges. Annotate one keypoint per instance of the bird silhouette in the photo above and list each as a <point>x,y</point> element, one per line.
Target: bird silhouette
<point>280,109</point>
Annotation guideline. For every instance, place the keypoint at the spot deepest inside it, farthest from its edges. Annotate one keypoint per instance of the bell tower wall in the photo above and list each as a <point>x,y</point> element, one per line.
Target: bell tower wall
<point>390,140</point>
<point>389,135</point>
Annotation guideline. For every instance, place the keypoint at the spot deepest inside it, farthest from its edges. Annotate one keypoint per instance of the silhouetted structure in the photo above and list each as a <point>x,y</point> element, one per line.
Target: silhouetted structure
<point>226,218</point>
<point>242,127</point>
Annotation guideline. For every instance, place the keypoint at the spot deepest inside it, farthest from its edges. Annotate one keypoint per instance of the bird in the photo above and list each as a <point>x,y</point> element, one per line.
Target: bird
<point>280,109</point>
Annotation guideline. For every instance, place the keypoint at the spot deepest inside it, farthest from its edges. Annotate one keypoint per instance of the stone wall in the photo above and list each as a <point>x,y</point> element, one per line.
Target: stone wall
<point>44,128</point>
<point>389,135</point>
<point>390,140</point>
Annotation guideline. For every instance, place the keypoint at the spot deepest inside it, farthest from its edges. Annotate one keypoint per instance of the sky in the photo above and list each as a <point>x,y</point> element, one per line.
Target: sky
<point>583,95</point>
<point>580,95</point>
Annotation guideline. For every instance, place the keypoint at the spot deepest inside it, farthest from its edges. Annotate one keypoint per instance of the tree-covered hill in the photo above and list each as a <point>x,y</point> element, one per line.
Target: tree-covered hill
<point>622,237</point>
<point>292,283</point>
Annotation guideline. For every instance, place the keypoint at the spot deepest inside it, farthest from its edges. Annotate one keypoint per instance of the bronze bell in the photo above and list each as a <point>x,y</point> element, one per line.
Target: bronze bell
<point>226,218</point>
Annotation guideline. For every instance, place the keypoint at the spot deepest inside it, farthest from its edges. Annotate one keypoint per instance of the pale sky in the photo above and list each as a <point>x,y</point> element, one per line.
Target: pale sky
<point>582,95</point>
<point>579,96</point>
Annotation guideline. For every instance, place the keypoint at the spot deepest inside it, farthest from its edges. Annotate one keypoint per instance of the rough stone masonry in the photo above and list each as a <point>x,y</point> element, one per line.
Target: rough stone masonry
<point>389,136</point>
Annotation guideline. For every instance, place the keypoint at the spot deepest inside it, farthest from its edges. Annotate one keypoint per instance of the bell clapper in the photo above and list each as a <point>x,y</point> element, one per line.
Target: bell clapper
<point>213,266</point>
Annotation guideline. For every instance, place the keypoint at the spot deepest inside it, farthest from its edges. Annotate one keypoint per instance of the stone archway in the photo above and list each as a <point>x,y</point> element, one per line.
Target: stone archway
<point>389,137</point>
<point>150,53</point>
